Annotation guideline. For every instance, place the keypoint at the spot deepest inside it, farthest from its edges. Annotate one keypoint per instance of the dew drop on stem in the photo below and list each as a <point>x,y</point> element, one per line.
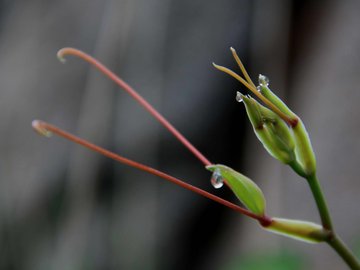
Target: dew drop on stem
<point>217,180</point>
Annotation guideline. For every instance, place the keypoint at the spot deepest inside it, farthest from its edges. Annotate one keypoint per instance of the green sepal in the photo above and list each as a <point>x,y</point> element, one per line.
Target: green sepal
<point>243,187</point>
<point>300,230</point>
<point>271,130</point>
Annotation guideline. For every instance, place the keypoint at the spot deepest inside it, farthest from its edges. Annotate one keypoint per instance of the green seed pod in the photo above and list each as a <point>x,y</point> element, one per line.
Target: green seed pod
<point>304,152</point>
<point>298,229</point>
<point>243,187</point>
<point>271,130</point>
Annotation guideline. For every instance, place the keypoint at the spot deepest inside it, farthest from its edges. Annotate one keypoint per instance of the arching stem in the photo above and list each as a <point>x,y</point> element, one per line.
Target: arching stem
<point>46,129</point>
<point>75,52</point>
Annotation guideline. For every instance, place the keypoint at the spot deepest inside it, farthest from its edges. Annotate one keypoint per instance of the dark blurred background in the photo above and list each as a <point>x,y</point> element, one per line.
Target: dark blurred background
<point>64,207</point>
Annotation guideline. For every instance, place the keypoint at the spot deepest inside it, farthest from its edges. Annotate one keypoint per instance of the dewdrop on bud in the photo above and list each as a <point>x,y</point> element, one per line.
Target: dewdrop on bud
<point>239,97</point>
<point>249,194</point>
<point>304,152</point>
<point>263,80</point>
<point>217,180</point>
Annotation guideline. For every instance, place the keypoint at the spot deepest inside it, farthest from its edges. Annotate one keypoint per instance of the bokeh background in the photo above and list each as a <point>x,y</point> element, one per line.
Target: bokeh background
<point>63,207</point>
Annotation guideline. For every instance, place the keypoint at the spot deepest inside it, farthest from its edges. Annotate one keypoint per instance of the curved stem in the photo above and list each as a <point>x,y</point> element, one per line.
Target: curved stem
<point>339,246</point>
<point>75,52</point>
<point>47,129</point>
<point>334,241</point>
<point>320,201</point>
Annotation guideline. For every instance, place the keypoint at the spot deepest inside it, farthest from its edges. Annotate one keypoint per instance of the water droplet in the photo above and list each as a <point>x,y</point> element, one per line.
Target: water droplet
<point>239,97</point>
<point>263,80</point>
<point>258,88</point>
<point>216,179</point>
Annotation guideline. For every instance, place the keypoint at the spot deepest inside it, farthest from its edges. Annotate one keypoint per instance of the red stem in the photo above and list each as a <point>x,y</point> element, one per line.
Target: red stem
<point>71,51</point>
<point>46,129</point>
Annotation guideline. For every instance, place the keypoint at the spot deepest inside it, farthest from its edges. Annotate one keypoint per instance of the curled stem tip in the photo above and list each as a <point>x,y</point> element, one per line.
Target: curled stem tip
<point>134,94</point>
<point>42,127</point>
<point>67,51</point>
<point>60,57</point>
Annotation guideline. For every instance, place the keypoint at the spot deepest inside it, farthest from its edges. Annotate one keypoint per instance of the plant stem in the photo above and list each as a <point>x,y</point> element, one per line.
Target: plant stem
<point>131,91</point>
<point>334,241</point>
<point>320,201</point>
<point>339,246</point>
<point>296,166</point>
<point>46,129</point>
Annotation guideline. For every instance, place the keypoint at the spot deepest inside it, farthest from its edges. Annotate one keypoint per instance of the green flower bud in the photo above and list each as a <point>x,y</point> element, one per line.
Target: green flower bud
<point>243,187</point>
<point>271,130</point>
<point>298,229</point>
<point>304,152</point>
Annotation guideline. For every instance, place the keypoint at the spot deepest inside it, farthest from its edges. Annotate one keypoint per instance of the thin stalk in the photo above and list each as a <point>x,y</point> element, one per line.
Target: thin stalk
<point>47,129</point>
<point>241,66</point>
<point>320,202</point>
<point>334,241</point>
<point>344,252</point>
<point>75,52</point>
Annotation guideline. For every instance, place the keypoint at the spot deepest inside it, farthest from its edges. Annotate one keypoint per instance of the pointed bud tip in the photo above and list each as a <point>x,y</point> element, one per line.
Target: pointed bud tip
<point>221,68</point>
<point>39,127</point>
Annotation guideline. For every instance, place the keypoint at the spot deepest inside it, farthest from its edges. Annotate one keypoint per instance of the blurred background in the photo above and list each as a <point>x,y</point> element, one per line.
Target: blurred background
<point>64,207</point>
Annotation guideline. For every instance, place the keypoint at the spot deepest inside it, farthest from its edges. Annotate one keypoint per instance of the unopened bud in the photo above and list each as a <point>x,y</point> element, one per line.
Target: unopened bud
<point>243,187</point>
<point>304,152</point>
<point>271,130</point>
<point>301,230</point>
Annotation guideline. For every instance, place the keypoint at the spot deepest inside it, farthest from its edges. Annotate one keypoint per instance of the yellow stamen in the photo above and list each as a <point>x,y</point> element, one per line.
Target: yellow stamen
<point>241,66</point>
<point>253,89</point>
